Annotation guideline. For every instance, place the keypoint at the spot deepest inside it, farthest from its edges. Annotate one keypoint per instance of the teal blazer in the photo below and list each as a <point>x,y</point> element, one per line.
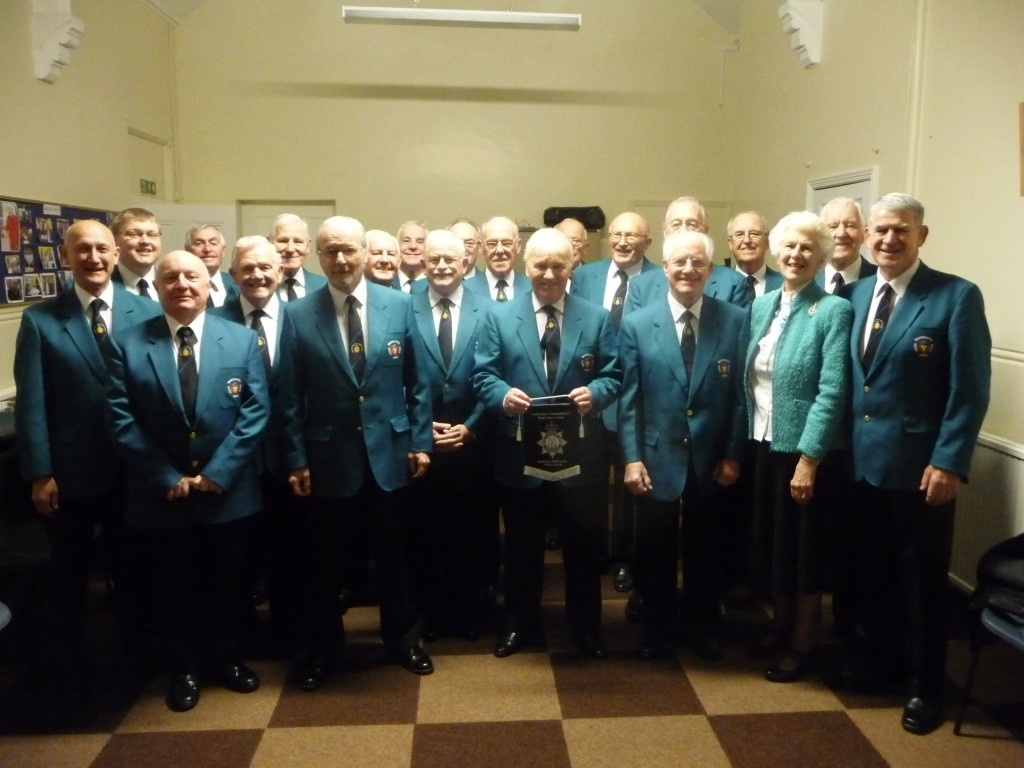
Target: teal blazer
<point>588,281</point>
<point>509,356</point>
<point>62,393</point>
<point>925,396</point>
<point>331,419</point>
<point>671,422</point>
<point>452,398</point>
<point>810,385</point>
<point>160,445</point>
<point>270,455</point>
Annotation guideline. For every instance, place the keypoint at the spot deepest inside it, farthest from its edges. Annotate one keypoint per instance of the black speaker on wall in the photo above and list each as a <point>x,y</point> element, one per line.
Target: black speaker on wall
<point>590,216</point>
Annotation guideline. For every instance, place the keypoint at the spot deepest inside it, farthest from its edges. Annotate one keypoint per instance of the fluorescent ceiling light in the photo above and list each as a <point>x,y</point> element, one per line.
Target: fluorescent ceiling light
<point>456,17</point>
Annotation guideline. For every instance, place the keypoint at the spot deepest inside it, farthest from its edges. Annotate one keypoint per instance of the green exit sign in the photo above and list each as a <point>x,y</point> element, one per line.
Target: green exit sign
<point>147,187</point>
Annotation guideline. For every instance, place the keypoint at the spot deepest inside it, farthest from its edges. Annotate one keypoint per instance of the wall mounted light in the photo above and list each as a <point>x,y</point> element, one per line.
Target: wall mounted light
<point>461,18</point>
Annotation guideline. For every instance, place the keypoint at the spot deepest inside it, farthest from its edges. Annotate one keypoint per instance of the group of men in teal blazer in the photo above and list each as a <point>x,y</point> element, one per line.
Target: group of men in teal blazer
<point>916,409</point>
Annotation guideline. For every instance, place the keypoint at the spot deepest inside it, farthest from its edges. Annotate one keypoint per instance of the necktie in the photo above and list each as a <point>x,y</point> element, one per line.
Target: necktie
<point>619,298</point>
<point>688,342</point>
<point>501,285</point>
<point>290,293</point>
<point>143,287</point>
<point>551,344</point>
<point>99,325</point>
<point>188,371</point>
<point>837,281</point>
<point>261,332</point>
<point>356,348</point>
<point>444,331</point>
<point>751,294</point>
<point>882,313</point>
<point>210,303</point>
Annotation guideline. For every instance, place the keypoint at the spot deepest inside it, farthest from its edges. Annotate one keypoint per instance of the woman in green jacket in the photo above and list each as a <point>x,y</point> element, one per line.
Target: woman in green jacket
<point>797,373</point>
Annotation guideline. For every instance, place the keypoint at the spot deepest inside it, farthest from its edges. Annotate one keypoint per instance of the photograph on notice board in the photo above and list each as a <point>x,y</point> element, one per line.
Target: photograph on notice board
<point>46,257</point>
<point>14,290</point>
<point>44,226</point>
<point>10,235</point>
<point>12,263</point>
<point>49,282</point>
<point>62,228</point>
<point>33,287</point>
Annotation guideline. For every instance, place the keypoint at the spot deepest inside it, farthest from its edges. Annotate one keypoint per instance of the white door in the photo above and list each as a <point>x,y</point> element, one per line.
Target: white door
<point>861,186</point>
<point>255,217</point>
<point>176,220</point>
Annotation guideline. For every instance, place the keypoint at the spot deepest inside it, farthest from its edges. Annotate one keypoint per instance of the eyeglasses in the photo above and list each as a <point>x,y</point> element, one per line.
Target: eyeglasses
<point>138,234</point>
<point>506,244</point>
<point>754,234</point>
<point>694,262</point>
<point>691,225</point>
<point>629,237</point>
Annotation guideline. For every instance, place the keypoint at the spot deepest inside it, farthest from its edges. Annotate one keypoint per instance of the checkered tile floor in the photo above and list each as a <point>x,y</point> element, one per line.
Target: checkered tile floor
<point>543,708</point>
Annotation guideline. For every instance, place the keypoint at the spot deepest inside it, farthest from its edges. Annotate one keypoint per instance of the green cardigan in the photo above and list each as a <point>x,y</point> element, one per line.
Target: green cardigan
<point>811,379</point>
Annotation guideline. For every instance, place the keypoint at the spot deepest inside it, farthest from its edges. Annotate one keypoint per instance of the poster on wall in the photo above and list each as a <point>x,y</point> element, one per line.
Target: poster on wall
<point>32,232</point>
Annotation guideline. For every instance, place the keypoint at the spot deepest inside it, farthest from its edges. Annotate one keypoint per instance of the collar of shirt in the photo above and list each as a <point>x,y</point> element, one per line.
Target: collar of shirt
<point>272,309</point>
<point>131,280</point>
<point>470,273</point>
<point>850,275</point>
<point>217,282</point>
<point>85,298</point>
<point>456,296</point>
<point>631,271</point>
<point>492,279</point>
<point>759,275</point>
<point>538,307</point>
<point>676,309</point>
<point>899,283</point>
<point>197,328</point>
<point>340,297</point>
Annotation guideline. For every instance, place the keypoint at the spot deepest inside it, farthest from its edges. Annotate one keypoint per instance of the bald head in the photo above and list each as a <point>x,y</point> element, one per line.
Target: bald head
<point>182,285</point>
<point>90,251</point>
<point>577,235</point>
<point>630,238</point>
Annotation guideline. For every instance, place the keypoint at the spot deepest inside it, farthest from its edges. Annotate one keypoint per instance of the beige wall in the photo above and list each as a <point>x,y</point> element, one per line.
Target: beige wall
<point>948,135</point>
<point>395,122</point>
<point>968,174</point>
<point>67,142</point>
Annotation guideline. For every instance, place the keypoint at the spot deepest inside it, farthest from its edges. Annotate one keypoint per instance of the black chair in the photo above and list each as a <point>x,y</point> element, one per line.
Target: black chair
<point>1005,626</point>
<point>999,602</point>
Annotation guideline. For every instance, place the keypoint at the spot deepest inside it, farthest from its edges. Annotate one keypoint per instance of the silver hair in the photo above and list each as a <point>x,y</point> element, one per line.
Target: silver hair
<point>898,201</point>
<point>681,237</point>
<point>807,223</point>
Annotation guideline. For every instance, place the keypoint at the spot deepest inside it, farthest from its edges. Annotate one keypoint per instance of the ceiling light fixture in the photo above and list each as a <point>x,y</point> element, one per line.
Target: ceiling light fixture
<point>464,18</point>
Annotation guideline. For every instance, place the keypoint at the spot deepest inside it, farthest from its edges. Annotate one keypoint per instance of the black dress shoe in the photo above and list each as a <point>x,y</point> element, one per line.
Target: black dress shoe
<point>922,715</point>
<point>430,632</point>
<point>635,607</point>
<point>623,581</point>
<point>704,644</point>
<point>310,675</point>
<point>651,648</point>
<point>590,644</point>
<point>799,664</point>
<point>414,659</point>
<point>509,643</point>
<point>182,693</point>
<point>238,678</point>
